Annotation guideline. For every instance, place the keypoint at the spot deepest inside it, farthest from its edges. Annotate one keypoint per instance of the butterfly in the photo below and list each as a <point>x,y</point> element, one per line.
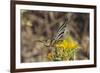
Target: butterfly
<point>59,34</point>
<point>62,38</point>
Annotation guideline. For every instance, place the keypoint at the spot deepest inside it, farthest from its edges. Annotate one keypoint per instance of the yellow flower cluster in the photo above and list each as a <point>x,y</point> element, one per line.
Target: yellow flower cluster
<point>67,43</point>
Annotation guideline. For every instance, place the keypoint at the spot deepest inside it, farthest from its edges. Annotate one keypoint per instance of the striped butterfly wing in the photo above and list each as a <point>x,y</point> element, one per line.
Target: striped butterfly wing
<point>61,32</point>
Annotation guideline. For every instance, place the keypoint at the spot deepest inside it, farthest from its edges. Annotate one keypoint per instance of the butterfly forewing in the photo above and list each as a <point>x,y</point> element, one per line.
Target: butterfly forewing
<point>61,33</point>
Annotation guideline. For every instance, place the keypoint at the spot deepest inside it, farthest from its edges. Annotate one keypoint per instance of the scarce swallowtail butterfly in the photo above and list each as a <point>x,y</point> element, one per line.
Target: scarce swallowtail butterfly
<point>59,35</point>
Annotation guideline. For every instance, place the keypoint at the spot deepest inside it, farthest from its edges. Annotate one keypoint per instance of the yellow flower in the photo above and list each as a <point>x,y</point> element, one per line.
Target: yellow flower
<point>49,56</point>
<point>67,43</point>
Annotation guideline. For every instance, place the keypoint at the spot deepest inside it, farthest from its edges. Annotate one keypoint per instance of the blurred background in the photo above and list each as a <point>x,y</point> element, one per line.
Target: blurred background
<point>42,25</point>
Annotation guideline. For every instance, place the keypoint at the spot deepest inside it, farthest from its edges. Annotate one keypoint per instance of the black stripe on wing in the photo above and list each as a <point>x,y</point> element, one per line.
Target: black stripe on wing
<point>60,31</point>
